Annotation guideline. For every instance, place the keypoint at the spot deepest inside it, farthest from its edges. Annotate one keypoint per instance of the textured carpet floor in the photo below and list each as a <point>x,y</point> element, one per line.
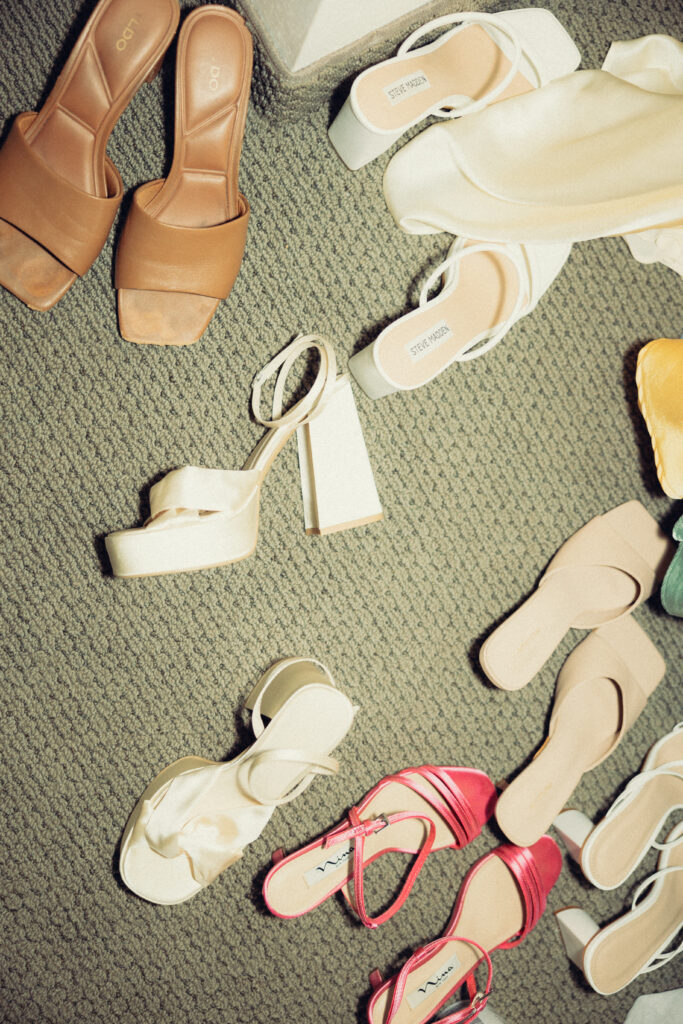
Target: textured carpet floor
<point>482,475</point>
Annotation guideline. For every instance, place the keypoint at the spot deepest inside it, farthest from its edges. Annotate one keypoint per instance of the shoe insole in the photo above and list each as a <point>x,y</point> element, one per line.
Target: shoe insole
<point>394,94</point>
<point>624,948</point>
<point>305,881</point>
<point>584,730</point>
<point>213,78</point>
<point>105,68</point>
<point>491,912</point>
<point>421,344</point>
<point>522,644</point>
<point>619,847</point>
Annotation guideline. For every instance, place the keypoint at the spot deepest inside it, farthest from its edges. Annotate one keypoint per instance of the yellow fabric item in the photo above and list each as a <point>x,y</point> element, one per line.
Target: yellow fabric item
<point>659,376</point>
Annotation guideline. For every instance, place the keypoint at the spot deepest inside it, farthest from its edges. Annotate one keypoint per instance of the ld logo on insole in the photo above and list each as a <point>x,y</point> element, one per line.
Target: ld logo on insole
<point>127,34</point>
<point>214,72</point>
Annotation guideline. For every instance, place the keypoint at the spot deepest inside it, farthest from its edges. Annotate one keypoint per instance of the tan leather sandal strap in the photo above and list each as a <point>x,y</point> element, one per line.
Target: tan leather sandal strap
<point>153,256</point>
<point>71,224</point>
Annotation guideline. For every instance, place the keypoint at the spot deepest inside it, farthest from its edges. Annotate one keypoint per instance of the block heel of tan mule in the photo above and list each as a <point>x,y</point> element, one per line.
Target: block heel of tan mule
<point>182,244</point>
<point>59,192</point>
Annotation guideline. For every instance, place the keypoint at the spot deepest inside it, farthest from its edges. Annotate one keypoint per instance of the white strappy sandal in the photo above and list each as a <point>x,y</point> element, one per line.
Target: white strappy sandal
<point>197,816</point>
<point>486,57</point>
<point>611,850</point>
<point>638,941</point>
<point>486,289</point>
<point>200,518</point>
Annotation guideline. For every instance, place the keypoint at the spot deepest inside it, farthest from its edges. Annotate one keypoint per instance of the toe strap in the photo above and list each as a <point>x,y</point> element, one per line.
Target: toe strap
<point>71,224</point>
<point>153,256</point>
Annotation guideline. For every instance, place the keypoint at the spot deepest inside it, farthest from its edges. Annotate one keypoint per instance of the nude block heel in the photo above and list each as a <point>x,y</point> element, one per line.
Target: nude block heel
<point>337,483</point>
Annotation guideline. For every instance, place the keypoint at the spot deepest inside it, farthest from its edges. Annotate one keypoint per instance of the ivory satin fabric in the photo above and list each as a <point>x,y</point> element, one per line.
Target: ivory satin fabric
<point>592,154</point>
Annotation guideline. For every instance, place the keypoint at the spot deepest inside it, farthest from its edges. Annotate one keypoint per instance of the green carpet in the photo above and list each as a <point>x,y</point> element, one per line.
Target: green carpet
<point>482,475</point>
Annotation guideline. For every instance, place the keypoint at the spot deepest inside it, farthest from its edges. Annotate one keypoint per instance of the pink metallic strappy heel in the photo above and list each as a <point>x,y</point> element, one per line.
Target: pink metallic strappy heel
<point>500,901</point>
<point>417,811</point>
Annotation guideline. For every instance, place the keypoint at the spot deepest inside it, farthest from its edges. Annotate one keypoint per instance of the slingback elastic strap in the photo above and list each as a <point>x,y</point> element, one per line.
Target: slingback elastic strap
<point>474,18</point>
<point>420,956</point>
<point>513,253</point>
<point>358,831</point>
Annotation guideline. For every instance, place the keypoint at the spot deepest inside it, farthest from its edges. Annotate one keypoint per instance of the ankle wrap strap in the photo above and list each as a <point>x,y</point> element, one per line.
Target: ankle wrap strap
<point>478,999</point>
<point>312,402</point>
<point>525,872</point>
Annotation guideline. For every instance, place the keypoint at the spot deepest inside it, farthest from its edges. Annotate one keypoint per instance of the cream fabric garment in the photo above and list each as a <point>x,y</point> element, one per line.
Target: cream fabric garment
<point>592,154</point>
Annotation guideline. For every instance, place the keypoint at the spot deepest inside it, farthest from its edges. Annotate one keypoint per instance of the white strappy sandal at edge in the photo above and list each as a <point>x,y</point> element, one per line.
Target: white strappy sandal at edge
<point>611,850</point>
<point>197,816</point>
<point>486,57</point>
<point>486,289</point>
<point>200,518</point>
<point>638,941</point>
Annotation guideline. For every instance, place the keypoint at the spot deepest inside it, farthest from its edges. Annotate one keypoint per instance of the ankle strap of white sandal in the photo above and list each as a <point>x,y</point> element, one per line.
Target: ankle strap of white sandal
<point>313,401</point>
<point>474,18</point>
<point>312,763</point>
<point>479,345</point>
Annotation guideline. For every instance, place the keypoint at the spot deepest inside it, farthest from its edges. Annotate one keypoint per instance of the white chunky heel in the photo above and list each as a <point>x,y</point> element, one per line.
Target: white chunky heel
<point>485,57</point>
<point>573,828</point>
<point>200,518</point>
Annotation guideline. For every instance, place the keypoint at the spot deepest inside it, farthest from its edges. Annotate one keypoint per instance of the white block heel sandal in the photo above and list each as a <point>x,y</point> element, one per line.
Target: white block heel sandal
<point>609,852</point>
<point>486,289</point>
<point>196,817</point>
<point>486,57</point>
<point>202,518</point>
<point>638,941</point>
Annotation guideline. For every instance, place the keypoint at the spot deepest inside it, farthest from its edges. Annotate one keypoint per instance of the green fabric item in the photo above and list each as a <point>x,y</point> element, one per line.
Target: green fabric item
<point>672,584</point>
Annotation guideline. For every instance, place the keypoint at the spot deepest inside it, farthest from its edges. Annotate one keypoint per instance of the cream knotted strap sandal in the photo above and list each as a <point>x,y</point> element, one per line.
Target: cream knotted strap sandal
<point>611,850</point>
<point>197,816</point>
<point>200,518</point>
<point>602,687</point>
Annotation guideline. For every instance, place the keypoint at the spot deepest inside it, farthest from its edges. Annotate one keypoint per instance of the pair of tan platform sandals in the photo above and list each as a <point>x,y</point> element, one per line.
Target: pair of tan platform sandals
<point>183,240</point>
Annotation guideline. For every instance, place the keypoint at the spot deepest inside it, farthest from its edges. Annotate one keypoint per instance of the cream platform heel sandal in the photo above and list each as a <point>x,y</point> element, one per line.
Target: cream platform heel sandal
<point>637,942</point>
<point>195,818</point>
<point>202,518</point>
<point>486,57</point>
<point>609,852</point>
<point>486,289</point>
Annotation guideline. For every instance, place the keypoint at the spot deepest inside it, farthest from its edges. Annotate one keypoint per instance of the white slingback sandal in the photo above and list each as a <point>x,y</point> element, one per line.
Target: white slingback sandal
<point>486,57</point>
<point>196,817</point>
<point>610,851</point>
<point>486,289</point>
<point>638,941</point>
<point>200,518</point>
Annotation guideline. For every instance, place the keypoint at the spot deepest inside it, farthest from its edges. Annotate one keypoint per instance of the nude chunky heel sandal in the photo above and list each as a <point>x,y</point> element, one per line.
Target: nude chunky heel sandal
<point>201,518</point>
<point>59,191</point>
<point>485,290</point>
<point>485,57</point>
<point>602,687</point>
<point>638,941</point>
<point>604,571</point>
<point>500,901</point>
<point>197,816</point>
<point>417,810</point>
<point>183,241</point>
<point>610,851</point>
